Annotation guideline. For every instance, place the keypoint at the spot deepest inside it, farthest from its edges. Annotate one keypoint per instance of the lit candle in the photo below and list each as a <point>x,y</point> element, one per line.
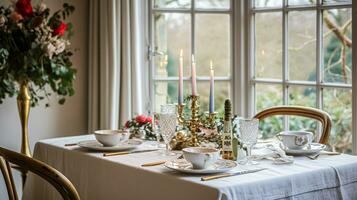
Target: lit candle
<point>193,76</point>
<point>211,94</point>
<point>180,87</point>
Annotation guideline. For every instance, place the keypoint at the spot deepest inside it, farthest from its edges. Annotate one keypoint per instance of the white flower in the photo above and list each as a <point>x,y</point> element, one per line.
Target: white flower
<point>42,7</point>
<point>2,20</point>
<point>50,50</point>
<point>60,46</point>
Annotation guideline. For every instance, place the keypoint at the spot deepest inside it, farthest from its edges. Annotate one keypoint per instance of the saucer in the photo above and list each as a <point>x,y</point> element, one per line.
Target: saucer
<point>314,148</point>
<point>95,145</point>
<point>184,166</point>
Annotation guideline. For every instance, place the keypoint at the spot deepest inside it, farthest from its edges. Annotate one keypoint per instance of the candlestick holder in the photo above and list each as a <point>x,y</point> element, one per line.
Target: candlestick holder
<point>195,121</point>
<point>180,114</point>
<point>212,119</point>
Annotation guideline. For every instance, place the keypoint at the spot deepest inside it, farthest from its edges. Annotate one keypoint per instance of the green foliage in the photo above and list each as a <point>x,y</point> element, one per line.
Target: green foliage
<point>26,55</point>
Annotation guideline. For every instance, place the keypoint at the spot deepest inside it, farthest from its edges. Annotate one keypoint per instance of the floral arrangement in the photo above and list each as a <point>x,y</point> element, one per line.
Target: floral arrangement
<point>141,126</point>
<point>34,50</point>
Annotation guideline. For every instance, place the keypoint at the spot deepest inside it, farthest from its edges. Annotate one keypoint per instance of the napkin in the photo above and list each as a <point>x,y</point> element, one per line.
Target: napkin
<point>273,153</point>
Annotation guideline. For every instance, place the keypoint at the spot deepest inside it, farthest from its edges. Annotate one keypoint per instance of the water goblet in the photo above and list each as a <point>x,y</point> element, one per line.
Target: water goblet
<point>167,126</point>
<point>249,129</point>
<point>168,109</point>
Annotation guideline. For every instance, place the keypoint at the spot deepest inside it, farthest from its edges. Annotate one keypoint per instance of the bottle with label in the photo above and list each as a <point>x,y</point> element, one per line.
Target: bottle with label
<point>227,136</point>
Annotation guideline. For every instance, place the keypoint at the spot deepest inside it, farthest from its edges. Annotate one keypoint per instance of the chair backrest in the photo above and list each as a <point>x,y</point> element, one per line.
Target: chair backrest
<point>313,113</point>
<point>51,175</point>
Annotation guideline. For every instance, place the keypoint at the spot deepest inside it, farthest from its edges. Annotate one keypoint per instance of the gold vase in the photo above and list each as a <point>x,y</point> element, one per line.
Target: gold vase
<point>23,105</point>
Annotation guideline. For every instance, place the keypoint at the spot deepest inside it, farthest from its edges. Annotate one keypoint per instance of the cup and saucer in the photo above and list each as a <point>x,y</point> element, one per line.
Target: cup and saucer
<point>110,140</point>
<point>201,160</point>
<point>299,143</point>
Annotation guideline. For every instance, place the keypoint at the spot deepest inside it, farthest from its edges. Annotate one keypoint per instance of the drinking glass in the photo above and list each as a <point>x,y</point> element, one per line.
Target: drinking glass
<point>168,109</point>
<point>249,129</point>
<point>167,127</point>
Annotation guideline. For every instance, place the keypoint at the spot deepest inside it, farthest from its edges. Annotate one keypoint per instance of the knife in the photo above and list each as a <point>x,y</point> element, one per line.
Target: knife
<point>128,152</point>
<point>207,178</point>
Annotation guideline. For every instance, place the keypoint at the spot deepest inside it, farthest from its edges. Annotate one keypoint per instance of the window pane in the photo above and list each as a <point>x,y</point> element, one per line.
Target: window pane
<point>172,4</point>
<point>268,45</point>
<point>172,33</point>
<point>222,92</point>
<point>213,43</point>
<point>338,103</point>
<point>301,2</point>
<point>337,46</point>
<point>213,4</point>
<point>302,96</point>
<point>303,124</point>
<point>302,45</point>
<point>267,96</point>
<point>166,92</point>
<point>337,1</point>
<point>268,3</point>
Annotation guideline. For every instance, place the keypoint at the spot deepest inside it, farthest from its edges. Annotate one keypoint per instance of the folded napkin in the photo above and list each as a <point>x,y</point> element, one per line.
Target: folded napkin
<point>273,153</point>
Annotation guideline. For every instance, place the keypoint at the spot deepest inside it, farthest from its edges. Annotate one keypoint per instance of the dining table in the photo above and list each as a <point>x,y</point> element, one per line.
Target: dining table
<point>122,177</point>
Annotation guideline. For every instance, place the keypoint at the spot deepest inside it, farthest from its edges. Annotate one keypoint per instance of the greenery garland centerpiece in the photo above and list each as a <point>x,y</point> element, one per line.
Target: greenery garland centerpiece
<point>34,56</point>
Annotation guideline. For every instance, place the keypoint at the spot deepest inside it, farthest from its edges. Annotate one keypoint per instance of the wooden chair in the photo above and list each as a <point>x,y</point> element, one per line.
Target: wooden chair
<point>313,113</point>
<point>51,175</point>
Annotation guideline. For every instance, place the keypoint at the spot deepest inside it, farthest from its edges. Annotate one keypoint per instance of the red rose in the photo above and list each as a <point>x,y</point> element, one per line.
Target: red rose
<point>148,120</point>
<point>60,29</point>
<point>140,119</point>
<point>127,124</point>
<point>24,8</point>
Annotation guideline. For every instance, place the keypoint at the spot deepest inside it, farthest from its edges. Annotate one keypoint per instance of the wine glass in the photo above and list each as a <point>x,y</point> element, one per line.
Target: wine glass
<point>167,126</point>
<point>249,129</point>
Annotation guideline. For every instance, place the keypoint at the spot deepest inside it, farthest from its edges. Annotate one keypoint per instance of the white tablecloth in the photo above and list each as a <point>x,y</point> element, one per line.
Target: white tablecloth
<point>122,177</point>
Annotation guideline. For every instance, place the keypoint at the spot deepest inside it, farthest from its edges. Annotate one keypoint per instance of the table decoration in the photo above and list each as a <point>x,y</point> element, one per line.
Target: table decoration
<point>141,126</point>
<point>34,54</point>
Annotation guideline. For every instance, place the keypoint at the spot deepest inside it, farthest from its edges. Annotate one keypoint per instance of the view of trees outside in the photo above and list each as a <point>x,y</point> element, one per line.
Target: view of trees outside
<point>172,32</point>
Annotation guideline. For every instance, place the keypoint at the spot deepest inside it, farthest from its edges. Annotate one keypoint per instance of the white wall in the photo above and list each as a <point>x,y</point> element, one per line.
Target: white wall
<point>57,120</point>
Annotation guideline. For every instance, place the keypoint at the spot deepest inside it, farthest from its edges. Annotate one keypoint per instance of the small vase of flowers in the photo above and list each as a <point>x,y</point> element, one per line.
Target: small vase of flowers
<point>141,127</point>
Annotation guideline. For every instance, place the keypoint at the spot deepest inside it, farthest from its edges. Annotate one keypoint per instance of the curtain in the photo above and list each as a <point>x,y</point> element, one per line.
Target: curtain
<point>118,81</point>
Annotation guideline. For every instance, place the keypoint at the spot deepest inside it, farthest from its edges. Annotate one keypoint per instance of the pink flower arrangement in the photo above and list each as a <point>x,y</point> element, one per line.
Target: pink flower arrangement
<point>140,123</point>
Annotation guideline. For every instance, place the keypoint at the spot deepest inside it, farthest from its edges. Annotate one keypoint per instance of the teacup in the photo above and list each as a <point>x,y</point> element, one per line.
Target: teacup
<point>295,139</point>
<point>200,157</point>
<point>109,138</point>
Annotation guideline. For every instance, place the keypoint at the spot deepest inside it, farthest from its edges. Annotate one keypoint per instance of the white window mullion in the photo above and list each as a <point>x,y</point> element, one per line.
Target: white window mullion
<point>285,62</point>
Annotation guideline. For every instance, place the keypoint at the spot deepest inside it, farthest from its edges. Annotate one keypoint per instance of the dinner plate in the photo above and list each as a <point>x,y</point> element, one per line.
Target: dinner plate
<point>95,145</point>
<point>184,166</point>
<point>313,149</point>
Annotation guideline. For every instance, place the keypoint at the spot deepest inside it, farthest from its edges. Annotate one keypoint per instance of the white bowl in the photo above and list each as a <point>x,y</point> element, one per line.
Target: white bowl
<point>111,138</point>
<point>200,157</point>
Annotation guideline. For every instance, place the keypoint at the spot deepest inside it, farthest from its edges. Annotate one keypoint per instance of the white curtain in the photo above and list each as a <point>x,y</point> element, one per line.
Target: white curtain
<point>118,82</point>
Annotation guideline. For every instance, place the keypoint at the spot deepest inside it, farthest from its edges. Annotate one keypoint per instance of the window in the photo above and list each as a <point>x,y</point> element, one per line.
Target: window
<point>298,53</point>
<point>302,56</point>
<point>199,27</point>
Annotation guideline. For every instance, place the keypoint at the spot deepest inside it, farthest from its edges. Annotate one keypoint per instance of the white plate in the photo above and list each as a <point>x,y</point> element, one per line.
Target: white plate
<point>313,149</point>
<point>95,145</point>
<point>184,166</point>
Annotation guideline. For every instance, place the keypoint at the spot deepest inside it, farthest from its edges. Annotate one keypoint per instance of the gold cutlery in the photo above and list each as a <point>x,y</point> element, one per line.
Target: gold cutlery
<point>127,152</point>
<point>70,144</point>
<point>153,163</point>
<point>150,164</point>
<point>212,177</point>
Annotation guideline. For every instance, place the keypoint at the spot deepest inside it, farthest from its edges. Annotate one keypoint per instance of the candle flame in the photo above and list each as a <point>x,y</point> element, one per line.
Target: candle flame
<point>193,58</point>
<point>181,52</point>
<point>211,65</point>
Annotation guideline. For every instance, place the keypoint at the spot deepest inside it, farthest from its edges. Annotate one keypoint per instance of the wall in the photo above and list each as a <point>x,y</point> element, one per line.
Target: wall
<point>57,120</point>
